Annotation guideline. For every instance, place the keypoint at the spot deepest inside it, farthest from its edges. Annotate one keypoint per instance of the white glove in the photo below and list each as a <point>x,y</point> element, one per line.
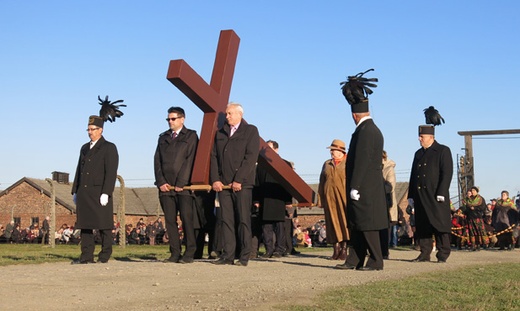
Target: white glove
<point>103,199</point>
<point>74,198</point>
<point>354,194</point>
<point>440,198</point>
<point>410,202</point>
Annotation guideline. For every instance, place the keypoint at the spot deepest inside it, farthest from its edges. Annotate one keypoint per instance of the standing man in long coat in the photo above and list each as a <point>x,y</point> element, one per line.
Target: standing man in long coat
<point>272,198</point>
<point>233,160</point>
<point>173,164</point>
<point>366,203</point>
<point>92,190</point>
<point>428,194</point>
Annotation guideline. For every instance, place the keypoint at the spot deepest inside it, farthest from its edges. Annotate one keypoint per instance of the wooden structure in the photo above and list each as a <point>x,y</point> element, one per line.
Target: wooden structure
<point>212,99</point>
<point>466,167</point>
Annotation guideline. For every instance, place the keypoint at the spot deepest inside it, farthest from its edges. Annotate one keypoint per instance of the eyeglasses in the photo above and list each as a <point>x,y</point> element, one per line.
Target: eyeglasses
<point>94,129</point>
<point>172,119</point>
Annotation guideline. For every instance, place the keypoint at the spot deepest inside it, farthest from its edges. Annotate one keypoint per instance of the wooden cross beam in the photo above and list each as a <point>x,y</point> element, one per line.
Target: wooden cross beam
<point>212,99</point>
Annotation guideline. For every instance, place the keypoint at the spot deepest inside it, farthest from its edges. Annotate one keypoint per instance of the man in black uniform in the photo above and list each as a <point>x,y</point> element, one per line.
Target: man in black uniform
<point>366,201</point>
<point>428,194</point>
<point>173,163</point>
<point>92,190</point>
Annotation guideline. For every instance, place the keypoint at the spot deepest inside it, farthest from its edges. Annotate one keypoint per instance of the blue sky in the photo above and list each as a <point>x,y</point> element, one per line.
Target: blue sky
<point>460,56</point>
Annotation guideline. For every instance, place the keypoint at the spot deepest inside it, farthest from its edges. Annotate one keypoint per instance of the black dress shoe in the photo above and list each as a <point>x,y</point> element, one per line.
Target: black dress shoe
<point>345,266</point>
<point>369,269</point>
<point>294,252</point>
<point>242,263</point>
<point>186,260</point>
<point>419,259</point>
<point>223,261</point>
<point>266,256</point>
<point>82,262</point>
<point>441,260</point>
<point>277,255</point>
<point>102,261</point>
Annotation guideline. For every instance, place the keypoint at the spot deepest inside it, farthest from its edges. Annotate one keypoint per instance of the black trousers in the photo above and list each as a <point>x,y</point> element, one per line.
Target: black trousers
<point>235,208</point>
<point>183,205</point>
<point>88,245</point>
<point>363,241</point>
<point>288,229</point>
<point>425,234</point>
<point>271,231</point>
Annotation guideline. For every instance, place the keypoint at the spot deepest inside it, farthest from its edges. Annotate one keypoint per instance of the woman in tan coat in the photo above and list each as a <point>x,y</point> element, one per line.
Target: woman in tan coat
<point>332,192</point>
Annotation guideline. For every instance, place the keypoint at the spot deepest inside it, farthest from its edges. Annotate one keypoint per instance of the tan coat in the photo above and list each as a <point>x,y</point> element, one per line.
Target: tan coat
<point>389,177</point>
<point>332,192</point>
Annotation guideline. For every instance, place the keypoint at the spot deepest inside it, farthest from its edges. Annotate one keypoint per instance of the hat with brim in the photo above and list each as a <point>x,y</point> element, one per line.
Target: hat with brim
<point>338,144</point>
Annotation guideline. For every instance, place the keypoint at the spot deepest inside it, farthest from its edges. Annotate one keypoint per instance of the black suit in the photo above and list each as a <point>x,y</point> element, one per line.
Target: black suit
<point>431,175</point>
<point>369,214</point>
<point>233,160</point>
<point>96,174</point>
<point>173,164</point>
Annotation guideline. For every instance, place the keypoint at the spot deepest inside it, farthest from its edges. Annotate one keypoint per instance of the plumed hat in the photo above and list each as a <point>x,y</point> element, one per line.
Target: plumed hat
<point>356,90</point>
<point>109,112</point>
<point>433,118</point>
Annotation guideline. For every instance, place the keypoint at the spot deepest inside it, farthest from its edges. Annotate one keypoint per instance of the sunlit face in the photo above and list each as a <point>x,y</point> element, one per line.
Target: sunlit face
<point>233,115</point>
<point>469,193</point>
<point>505,196</point>
<point>336,154</point>
<point>94,132</point>
<point>474,192</point>
<point>426,140</point>
<point>175,121</point>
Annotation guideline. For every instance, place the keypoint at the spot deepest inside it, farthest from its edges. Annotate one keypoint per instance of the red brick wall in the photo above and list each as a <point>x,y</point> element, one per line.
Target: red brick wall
<point>25,202</point>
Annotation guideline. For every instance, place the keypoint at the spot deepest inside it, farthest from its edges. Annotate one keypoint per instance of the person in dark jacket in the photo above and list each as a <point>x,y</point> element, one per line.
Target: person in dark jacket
<point>428,194</point>
<point>92,190</point>
<point>173,163</point>
<point>233,160</point>
<point>272,199</point>
<point>367,212</point>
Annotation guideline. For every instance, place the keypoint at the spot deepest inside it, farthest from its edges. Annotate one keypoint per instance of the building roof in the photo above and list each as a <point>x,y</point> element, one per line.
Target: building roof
<point>138,201</point>
<point>143,201</point>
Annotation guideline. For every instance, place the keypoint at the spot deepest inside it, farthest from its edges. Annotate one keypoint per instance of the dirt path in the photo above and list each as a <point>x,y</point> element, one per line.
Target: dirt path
<point>141,285</point>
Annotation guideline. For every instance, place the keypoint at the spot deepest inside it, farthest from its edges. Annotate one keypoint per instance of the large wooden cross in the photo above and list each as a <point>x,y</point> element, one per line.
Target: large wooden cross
<point>212,99</point>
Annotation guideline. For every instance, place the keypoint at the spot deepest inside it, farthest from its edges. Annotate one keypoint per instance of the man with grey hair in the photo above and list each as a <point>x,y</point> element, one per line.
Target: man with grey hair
<point>233,160</point>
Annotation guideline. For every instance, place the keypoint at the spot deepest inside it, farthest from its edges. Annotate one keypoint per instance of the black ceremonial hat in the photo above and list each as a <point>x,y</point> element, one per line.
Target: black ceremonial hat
<point>433,118</point>
<point>356,90</point>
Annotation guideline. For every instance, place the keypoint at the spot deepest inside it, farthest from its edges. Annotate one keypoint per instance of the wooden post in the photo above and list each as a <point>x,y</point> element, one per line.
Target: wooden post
<point>121,212</point>
<point>52,225</point>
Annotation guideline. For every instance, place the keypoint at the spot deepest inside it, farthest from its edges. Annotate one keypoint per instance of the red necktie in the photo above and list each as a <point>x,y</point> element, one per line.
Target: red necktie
<point>174,134</point>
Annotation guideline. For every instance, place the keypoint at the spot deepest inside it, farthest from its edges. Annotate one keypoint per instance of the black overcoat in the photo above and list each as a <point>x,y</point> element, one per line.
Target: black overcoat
<point>173,160</point>
<point>432,170</point>
<point>96,174</point>
<point>271,195</point>
<point>365,174</point>
<point>233,158</point>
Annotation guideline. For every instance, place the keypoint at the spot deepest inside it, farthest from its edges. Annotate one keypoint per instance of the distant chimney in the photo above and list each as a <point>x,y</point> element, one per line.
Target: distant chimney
<point>60,177</point>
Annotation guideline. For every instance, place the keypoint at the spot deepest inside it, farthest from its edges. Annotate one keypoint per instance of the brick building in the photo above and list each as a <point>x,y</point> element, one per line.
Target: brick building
<point>28,201</point>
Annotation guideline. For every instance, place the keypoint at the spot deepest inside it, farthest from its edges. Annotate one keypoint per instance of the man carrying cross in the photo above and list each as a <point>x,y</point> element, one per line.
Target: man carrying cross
<point>233,160</point>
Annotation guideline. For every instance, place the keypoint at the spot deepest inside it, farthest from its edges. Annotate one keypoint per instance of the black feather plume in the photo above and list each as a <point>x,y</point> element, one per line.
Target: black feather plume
<point>357,88</point>
<point>432,116</point>
<point>109,110</point>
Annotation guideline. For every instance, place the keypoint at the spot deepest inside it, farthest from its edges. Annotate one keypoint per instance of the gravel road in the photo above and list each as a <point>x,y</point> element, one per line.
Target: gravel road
<point>152,285</point>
